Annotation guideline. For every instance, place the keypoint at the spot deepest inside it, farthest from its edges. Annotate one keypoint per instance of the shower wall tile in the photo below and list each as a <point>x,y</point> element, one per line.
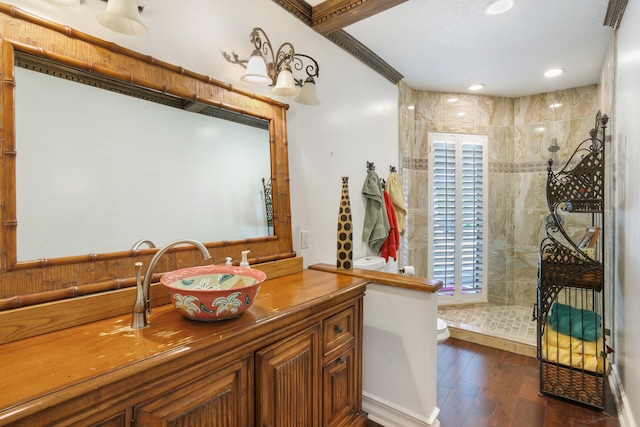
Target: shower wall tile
<point>525,263</point>
<point>417,257</point>
<point>468,128</point>
<point>577,102</point>
<point>500,148</point>
<point>406,138</point>
<point>498,194</point>
<point>500,224</point>
<point>530,190</point>
<point>497,293</point>
<point>417,189</point>
<point>418,228</point>
<point>461,111</point>
<point>518,160</point>
<point>428,106</point>
<point>498,110</point>
<point>524,294</point>
<point>497,264</point>
<point>406,96</point>
<point>419,149</point>
<point>529,226</point>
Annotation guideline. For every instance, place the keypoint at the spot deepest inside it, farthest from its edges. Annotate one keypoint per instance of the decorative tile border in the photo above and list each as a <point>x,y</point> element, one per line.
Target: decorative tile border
<point>536,166</point>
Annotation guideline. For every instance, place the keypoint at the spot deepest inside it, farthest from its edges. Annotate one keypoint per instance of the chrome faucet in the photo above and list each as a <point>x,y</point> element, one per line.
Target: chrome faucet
<point>139,243</point>
<point>142,306</point>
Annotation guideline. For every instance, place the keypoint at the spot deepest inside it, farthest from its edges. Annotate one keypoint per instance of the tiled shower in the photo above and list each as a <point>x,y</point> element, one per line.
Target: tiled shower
<point>520,131</point>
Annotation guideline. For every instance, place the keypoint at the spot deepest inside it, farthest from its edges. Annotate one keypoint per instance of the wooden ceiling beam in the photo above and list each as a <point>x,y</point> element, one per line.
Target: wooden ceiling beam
<point>329,17</point>
<point>615,10</point>
<point>333,15</point>
<point>299,8</point>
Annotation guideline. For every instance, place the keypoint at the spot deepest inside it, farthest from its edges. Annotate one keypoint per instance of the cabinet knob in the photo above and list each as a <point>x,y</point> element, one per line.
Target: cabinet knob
<point>341,359</point>
<point>339,329</point>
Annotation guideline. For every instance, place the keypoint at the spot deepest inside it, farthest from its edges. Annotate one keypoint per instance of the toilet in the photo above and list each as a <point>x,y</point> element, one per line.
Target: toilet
<point>443,331</point>
<point>377,263</point>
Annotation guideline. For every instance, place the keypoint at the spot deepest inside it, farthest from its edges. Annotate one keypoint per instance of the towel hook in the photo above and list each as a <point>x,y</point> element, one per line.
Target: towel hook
<point>370,166</point>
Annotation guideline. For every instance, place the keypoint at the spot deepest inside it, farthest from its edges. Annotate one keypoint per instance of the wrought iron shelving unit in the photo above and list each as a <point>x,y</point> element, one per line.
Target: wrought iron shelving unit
<point>570,304</point>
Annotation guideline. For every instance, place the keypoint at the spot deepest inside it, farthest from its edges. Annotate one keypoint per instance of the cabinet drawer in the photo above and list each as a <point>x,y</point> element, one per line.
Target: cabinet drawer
<point>338,329</point>
<point>340,394</point>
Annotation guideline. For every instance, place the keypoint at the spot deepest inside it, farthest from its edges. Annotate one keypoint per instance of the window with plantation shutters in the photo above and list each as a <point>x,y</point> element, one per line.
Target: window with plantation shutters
<point>458,170</point>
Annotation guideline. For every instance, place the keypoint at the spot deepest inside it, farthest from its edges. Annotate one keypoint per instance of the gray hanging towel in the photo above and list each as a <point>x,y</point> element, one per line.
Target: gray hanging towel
<point>376,224</point>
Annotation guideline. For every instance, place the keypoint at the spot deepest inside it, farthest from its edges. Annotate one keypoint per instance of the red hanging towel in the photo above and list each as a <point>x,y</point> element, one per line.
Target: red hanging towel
<point>391,244</point>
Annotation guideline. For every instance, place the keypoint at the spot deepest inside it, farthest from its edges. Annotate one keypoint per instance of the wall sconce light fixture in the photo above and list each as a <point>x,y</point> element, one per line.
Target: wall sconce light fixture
<point>266,66</point>
<point>123,16</point>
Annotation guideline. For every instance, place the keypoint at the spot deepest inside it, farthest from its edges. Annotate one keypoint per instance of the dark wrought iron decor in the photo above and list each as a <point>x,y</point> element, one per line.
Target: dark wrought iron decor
<point>571,278</point>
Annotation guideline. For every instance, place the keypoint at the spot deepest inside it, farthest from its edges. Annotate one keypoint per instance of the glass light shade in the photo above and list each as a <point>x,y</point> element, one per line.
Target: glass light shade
<point>122,16</point>
<point>65,3</point>
<point>256,70</point>
<point>286,85</point>
<point>308,94</point>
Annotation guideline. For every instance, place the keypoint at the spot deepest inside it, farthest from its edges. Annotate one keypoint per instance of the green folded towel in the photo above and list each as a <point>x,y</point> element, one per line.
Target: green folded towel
<point>581,324</point>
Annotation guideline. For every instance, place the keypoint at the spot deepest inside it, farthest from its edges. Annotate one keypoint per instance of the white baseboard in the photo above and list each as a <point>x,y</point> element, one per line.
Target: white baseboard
<point>624,413</point>
<point>390,414</point>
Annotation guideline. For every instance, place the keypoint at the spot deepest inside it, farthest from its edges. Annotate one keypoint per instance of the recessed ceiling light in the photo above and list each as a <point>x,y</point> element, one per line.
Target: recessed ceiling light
<point>554,72</point>
<point>497,7</point>
<point>476,86</point>
<point>555,105</point>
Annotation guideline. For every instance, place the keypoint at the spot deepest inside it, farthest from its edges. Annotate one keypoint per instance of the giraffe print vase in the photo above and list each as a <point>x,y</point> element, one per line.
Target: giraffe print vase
<point>344,257</point>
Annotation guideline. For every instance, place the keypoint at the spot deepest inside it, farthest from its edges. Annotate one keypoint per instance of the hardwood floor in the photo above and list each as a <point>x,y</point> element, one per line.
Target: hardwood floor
<point>482,386</point>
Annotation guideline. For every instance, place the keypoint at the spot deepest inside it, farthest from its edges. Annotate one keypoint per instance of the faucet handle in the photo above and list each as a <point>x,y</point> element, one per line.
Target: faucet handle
<point>139,319</point>
<point>145,298</point>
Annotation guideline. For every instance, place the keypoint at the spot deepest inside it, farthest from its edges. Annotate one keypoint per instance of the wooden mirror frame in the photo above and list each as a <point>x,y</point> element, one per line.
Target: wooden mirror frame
<point>46,280</point>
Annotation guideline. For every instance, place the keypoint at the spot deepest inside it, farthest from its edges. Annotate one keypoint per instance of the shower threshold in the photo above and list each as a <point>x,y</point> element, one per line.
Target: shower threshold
<point>509,328</point>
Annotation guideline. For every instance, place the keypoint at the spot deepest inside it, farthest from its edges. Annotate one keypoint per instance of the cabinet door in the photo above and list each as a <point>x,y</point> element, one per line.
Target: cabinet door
<point>287,381</point>
<point>118,420</point>
<point>341,399</point>
<point>218,398</point>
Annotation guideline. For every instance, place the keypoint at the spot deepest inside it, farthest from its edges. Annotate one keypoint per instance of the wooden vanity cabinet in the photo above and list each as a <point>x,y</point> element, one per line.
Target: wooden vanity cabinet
<point>288,381</point>
<point>211,398</point>
<point>341,382</point>
<point>294,359</point>
<point>313,378</point>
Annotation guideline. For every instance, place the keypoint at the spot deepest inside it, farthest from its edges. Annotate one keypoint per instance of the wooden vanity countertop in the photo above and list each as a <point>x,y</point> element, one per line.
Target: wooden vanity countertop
<point>76,360</point>
<point>383,278</point>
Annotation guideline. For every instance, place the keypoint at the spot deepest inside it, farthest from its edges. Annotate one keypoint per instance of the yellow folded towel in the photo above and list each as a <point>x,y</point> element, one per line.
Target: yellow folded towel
<point>396,192</point>
<point>563,349</point>
<point>576,345</point>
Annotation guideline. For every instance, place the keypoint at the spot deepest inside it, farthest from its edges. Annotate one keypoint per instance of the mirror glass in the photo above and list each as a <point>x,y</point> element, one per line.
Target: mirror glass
<point>98,169</point>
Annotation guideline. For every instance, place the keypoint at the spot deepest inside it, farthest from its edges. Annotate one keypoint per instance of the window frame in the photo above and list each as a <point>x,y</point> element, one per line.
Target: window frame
<point>459,139</point>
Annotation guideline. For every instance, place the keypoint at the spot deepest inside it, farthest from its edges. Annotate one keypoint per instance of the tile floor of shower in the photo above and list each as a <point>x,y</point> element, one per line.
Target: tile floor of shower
<point>510,328</point>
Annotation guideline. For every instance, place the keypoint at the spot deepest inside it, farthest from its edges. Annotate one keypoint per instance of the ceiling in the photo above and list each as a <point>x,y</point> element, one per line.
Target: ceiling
<point>447,45</point>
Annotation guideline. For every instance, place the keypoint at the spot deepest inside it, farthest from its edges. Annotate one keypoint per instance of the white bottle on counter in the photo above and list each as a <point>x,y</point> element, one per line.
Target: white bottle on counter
<point>244,262</point>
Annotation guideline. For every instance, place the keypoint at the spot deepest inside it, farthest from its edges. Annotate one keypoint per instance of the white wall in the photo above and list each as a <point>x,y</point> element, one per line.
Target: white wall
<point>627,267</point>
<point>356,121</point>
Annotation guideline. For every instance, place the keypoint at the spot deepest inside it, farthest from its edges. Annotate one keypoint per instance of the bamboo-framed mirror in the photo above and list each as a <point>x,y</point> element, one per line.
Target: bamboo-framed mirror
<point>48,278</point>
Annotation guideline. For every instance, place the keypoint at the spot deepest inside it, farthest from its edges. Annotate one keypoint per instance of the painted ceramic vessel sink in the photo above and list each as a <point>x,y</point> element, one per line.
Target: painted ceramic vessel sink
<point>213,292</point>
